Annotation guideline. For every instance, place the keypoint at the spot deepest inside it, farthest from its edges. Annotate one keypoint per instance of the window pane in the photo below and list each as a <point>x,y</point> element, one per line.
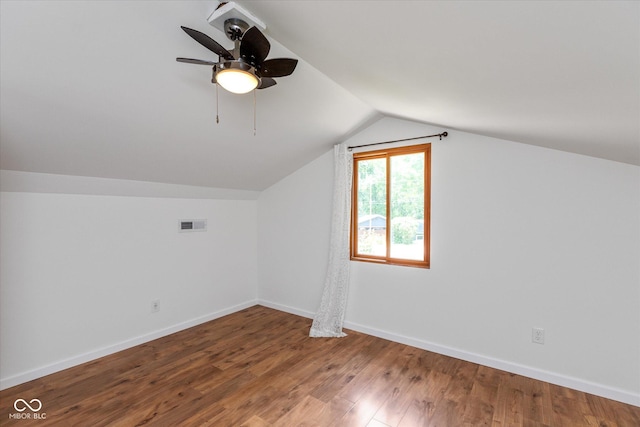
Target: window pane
<point>406,196</point>
<point>372,207</point>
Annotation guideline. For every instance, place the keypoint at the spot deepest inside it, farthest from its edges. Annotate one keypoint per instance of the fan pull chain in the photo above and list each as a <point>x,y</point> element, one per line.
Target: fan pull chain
<point>217,115</point>
<point>254,112</point>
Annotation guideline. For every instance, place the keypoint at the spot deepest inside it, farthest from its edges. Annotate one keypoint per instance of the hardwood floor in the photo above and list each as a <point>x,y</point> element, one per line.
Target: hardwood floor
<point>258,367</point>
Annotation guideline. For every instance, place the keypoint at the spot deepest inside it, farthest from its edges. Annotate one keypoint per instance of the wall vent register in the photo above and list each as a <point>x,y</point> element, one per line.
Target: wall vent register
<point>187,225</point>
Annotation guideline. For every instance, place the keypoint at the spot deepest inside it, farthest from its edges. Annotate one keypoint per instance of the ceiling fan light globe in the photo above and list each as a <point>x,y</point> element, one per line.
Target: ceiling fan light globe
<point>237,81</point>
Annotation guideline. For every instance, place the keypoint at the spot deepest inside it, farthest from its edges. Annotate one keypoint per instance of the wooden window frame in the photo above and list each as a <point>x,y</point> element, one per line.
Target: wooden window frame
<point>387,154</point>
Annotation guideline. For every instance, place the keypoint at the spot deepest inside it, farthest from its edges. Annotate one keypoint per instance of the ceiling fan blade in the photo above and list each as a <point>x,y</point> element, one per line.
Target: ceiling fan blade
<point>254,46</point>
<point>266,82</point>
<point>278,67</point>
<point>196,61</point>
<point>208,42</point>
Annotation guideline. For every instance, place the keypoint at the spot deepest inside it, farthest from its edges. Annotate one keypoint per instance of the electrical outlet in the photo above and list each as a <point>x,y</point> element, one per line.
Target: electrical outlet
<point>537,335</point>
<point>155,306</point>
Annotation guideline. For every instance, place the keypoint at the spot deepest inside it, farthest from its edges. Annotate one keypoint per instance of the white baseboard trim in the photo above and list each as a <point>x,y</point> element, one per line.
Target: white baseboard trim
<point>515,368</point>
<point>123,345</point>
<point>286,308</point>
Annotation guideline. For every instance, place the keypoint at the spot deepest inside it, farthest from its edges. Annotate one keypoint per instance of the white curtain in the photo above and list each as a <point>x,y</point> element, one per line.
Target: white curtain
<point>330,316</point>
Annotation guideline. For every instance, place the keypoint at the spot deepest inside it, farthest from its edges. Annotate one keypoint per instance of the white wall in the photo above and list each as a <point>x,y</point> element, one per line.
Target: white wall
<point>293,227</point>
<point>79,271</point>
<point>522,237</point>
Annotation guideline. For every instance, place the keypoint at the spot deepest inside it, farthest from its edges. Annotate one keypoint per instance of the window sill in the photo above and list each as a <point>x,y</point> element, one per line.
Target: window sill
<point>398,262</point>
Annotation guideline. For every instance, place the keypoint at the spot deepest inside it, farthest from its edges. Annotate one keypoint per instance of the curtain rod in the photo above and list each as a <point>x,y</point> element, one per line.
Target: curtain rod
<point>443,134</point>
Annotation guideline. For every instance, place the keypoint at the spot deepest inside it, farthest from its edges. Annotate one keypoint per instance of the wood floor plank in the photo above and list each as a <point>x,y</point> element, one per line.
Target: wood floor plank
<point>371,350</point>
<point>306,413</point>
<point>381,388</point>
<point>510,404</point>
<point>461,383</point>
<point>429,405</point>
<point>537,405</point>
<point>481,403</point>
<point>258,367</point>
<point>255,421</point>
<point>412,380</point>
<point>358,385</point>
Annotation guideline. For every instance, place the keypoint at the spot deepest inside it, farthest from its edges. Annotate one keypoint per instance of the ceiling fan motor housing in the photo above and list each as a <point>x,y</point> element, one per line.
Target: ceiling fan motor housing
<point>238,64</point>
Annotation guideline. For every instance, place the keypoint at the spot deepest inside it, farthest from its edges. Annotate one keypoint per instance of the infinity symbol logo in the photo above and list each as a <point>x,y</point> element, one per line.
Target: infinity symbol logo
<point>26,405</point>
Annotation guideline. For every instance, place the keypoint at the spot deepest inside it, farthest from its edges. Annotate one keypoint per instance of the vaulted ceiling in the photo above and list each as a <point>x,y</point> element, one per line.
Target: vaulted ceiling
<point>92,88</point>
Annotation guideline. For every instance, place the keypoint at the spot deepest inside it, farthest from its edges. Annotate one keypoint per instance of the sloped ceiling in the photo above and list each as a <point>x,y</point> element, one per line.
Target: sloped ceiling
<point>92,88</point>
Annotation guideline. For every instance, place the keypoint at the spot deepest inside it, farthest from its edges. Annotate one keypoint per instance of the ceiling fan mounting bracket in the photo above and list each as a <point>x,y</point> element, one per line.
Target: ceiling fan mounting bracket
<point>230,10</point>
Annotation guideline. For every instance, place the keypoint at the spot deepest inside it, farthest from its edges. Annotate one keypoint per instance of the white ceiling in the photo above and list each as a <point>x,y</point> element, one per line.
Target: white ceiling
<point>92,88</point>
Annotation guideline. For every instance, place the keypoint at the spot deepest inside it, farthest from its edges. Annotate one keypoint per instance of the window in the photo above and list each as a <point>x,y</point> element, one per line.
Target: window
<point>391,206</point>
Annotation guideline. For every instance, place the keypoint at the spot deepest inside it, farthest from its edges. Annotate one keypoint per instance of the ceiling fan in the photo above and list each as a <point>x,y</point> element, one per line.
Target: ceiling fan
<point>245,68</point>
